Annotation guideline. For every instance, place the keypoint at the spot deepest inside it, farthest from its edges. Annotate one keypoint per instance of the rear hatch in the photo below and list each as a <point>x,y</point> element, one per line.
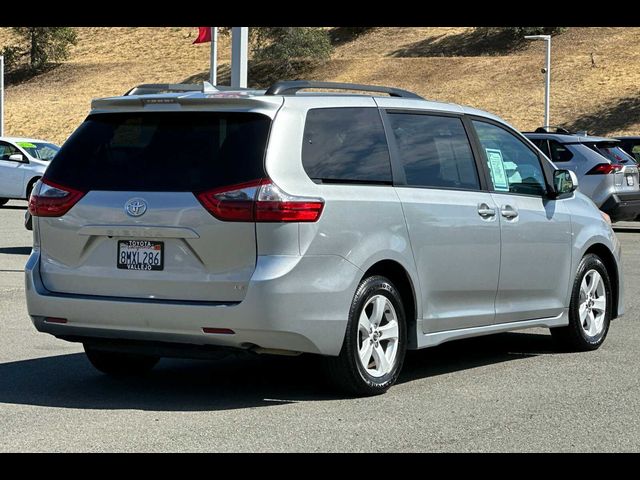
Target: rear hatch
<point>625,169</point>
<point>138,229</point>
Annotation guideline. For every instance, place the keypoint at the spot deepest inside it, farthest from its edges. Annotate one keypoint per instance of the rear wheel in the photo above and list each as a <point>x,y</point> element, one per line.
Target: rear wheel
<point>120,364</point>
<point>375,341</point>
<point>590,308</point>
<point>30,187</point>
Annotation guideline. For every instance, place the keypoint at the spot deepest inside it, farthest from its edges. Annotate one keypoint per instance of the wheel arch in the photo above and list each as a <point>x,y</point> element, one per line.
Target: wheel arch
<point>401,279</point>
<point>603,252</point>
<point>30,185</point>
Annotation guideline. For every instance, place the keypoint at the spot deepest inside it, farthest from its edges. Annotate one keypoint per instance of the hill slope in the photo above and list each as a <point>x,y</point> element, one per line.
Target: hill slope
<point>448,64</point>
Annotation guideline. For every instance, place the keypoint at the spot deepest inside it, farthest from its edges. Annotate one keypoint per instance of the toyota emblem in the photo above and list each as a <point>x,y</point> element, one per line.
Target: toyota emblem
<point>135,207</point>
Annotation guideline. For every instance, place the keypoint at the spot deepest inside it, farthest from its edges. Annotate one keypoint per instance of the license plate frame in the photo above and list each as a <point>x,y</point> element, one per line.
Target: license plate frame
<point>143,253</point>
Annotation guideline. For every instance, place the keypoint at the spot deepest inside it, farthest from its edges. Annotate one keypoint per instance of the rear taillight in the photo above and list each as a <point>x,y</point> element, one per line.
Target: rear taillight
<point>259,201</point>
<point>605,169</point>
<point>53,200</point>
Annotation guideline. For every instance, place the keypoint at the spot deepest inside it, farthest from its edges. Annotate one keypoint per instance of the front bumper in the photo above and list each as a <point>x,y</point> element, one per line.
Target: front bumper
<point>622,206</point>
<point>293,303</point>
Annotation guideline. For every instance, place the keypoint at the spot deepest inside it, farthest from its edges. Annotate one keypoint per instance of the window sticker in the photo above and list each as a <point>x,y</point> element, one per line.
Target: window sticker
<point>25,145</point>
<point>496,168</point>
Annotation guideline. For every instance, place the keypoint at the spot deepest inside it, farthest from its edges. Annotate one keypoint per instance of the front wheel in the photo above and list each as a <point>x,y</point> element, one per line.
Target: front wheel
<point>120,364</point>
<point>375,341</point>
<point>590,308</point>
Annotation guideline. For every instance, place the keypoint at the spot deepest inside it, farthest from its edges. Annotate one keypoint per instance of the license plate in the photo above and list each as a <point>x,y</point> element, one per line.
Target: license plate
<point>142,255</point>
<point>630,181</point>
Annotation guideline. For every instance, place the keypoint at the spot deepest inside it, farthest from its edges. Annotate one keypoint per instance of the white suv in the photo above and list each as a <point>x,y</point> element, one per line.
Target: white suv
<point>22,162</point>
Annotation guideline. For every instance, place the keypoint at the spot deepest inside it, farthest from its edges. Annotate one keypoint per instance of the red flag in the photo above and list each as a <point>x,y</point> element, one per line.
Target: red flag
<point>204,35</point>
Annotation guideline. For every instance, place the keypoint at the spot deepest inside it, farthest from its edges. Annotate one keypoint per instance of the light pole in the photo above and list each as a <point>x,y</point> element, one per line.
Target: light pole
<point>213,74</point>
<point>547,72</point>
<point>239,47</point>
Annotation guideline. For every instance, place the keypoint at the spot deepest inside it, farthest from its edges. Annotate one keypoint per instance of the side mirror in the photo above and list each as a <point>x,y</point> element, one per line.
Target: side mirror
<point>18,157</point>
<point>564,182</point>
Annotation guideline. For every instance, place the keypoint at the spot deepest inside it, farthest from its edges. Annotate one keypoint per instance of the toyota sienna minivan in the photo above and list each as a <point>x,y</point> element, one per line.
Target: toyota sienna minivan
<point>355,226</point>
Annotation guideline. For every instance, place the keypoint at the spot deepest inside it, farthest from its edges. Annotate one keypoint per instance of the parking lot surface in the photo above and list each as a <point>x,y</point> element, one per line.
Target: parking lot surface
<point>508,392</point>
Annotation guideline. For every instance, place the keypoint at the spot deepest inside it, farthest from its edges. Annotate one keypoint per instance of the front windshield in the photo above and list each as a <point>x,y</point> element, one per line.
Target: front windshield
<point>40,150</point>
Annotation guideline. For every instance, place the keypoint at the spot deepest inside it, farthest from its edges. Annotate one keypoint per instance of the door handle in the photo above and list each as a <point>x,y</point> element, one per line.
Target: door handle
<point>486,211</point>
<point>507,211</point>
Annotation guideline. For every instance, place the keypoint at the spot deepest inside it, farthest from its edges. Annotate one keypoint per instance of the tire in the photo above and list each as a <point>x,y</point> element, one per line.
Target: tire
<point>120,364</point>
<point>30,187</point>
<point>346,371</point>
<point>587,330</point>
<point>3,201</point>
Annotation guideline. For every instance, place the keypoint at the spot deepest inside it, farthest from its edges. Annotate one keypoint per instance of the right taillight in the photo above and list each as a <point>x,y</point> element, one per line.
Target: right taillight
<point>53,200</point>
<point>605,169</point>
<point>259,201</point>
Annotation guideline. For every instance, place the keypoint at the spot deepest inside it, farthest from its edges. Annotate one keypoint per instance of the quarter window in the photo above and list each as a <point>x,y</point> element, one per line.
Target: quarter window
<point>513,166</point>
<point>559,152</point>
<point>434,151</point>
<point>542,145</point>
<point>346,145</point>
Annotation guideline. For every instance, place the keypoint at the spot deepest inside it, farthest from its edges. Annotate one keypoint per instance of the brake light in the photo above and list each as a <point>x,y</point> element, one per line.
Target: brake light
<point>605,169</point>
<point>259,201</point>
<point>53,200</point>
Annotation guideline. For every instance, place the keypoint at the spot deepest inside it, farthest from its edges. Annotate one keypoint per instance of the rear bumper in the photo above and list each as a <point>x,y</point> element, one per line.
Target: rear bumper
<point>622,206</point>
<point>293,303</point>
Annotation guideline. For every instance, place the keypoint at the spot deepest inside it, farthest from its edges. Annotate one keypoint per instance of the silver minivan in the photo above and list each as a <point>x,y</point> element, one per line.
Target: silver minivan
<point>348,225</point>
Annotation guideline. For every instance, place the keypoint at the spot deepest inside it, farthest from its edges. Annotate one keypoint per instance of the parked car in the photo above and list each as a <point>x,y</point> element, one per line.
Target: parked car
<point>281,222</point>
<point>22,163</point>
<point>631,145</point>
<point>607,174</point>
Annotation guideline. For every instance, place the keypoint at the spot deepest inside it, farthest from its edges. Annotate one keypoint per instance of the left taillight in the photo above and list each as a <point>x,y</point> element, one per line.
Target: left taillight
<point>53,200</point>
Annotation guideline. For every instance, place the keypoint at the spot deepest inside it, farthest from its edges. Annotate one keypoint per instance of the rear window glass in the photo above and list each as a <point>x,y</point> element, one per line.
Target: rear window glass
<point>167,151</point>
<point>612,152</point>
<point>346,145</point>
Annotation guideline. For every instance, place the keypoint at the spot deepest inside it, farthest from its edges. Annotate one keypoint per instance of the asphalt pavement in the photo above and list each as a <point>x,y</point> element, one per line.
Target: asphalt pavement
<point>507,392</point>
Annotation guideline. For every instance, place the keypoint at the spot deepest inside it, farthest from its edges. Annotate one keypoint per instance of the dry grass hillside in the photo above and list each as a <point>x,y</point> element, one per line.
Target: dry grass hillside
<point>450,64</point>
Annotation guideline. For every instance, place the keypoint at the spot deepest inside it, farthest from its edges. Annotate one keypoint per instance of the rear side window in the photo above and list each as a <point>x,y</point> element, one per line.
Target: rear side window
<point>346,145</point>
<point>434,151</point>
<point>542,145</point>
<point>559,152</point>
<point>162,151</point>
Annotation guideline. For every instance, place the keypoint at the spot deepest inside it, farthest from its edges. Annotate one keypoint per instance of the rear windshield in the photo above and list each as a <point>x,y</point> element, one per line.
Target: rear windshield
<point>168,151</point>
<point>612,152</point>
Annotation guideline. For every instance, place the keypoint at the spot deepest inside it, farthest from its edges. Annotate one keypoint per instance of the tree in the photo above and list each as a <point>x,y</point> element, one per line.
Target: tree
<point>287,48</point>
<point>45,45</point>
<point>519,32</point>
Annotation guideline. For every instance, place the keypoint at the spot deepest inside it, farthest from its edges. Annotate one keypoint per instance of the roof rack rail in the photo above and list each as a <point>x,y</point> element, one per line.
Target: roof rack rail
<point>549,128</point>
<point>291,87</point>
<point>155,88</point>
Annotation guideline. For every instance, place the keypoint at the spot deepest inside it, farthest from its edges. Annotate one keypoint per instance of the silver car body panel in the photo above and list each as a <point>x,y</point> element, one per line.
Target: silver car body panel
<point>289,286</point>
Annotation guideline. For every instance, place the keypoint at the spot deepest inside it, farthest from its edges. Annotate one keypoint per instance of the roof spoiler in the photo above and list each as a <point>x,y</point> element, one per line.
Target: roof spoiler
<point>156,88</point>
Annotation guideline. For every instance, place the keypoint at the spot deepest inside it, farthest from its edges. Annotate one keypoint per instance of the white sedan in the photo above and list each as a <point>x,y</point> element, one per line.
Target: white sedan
<point>22,162</point>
